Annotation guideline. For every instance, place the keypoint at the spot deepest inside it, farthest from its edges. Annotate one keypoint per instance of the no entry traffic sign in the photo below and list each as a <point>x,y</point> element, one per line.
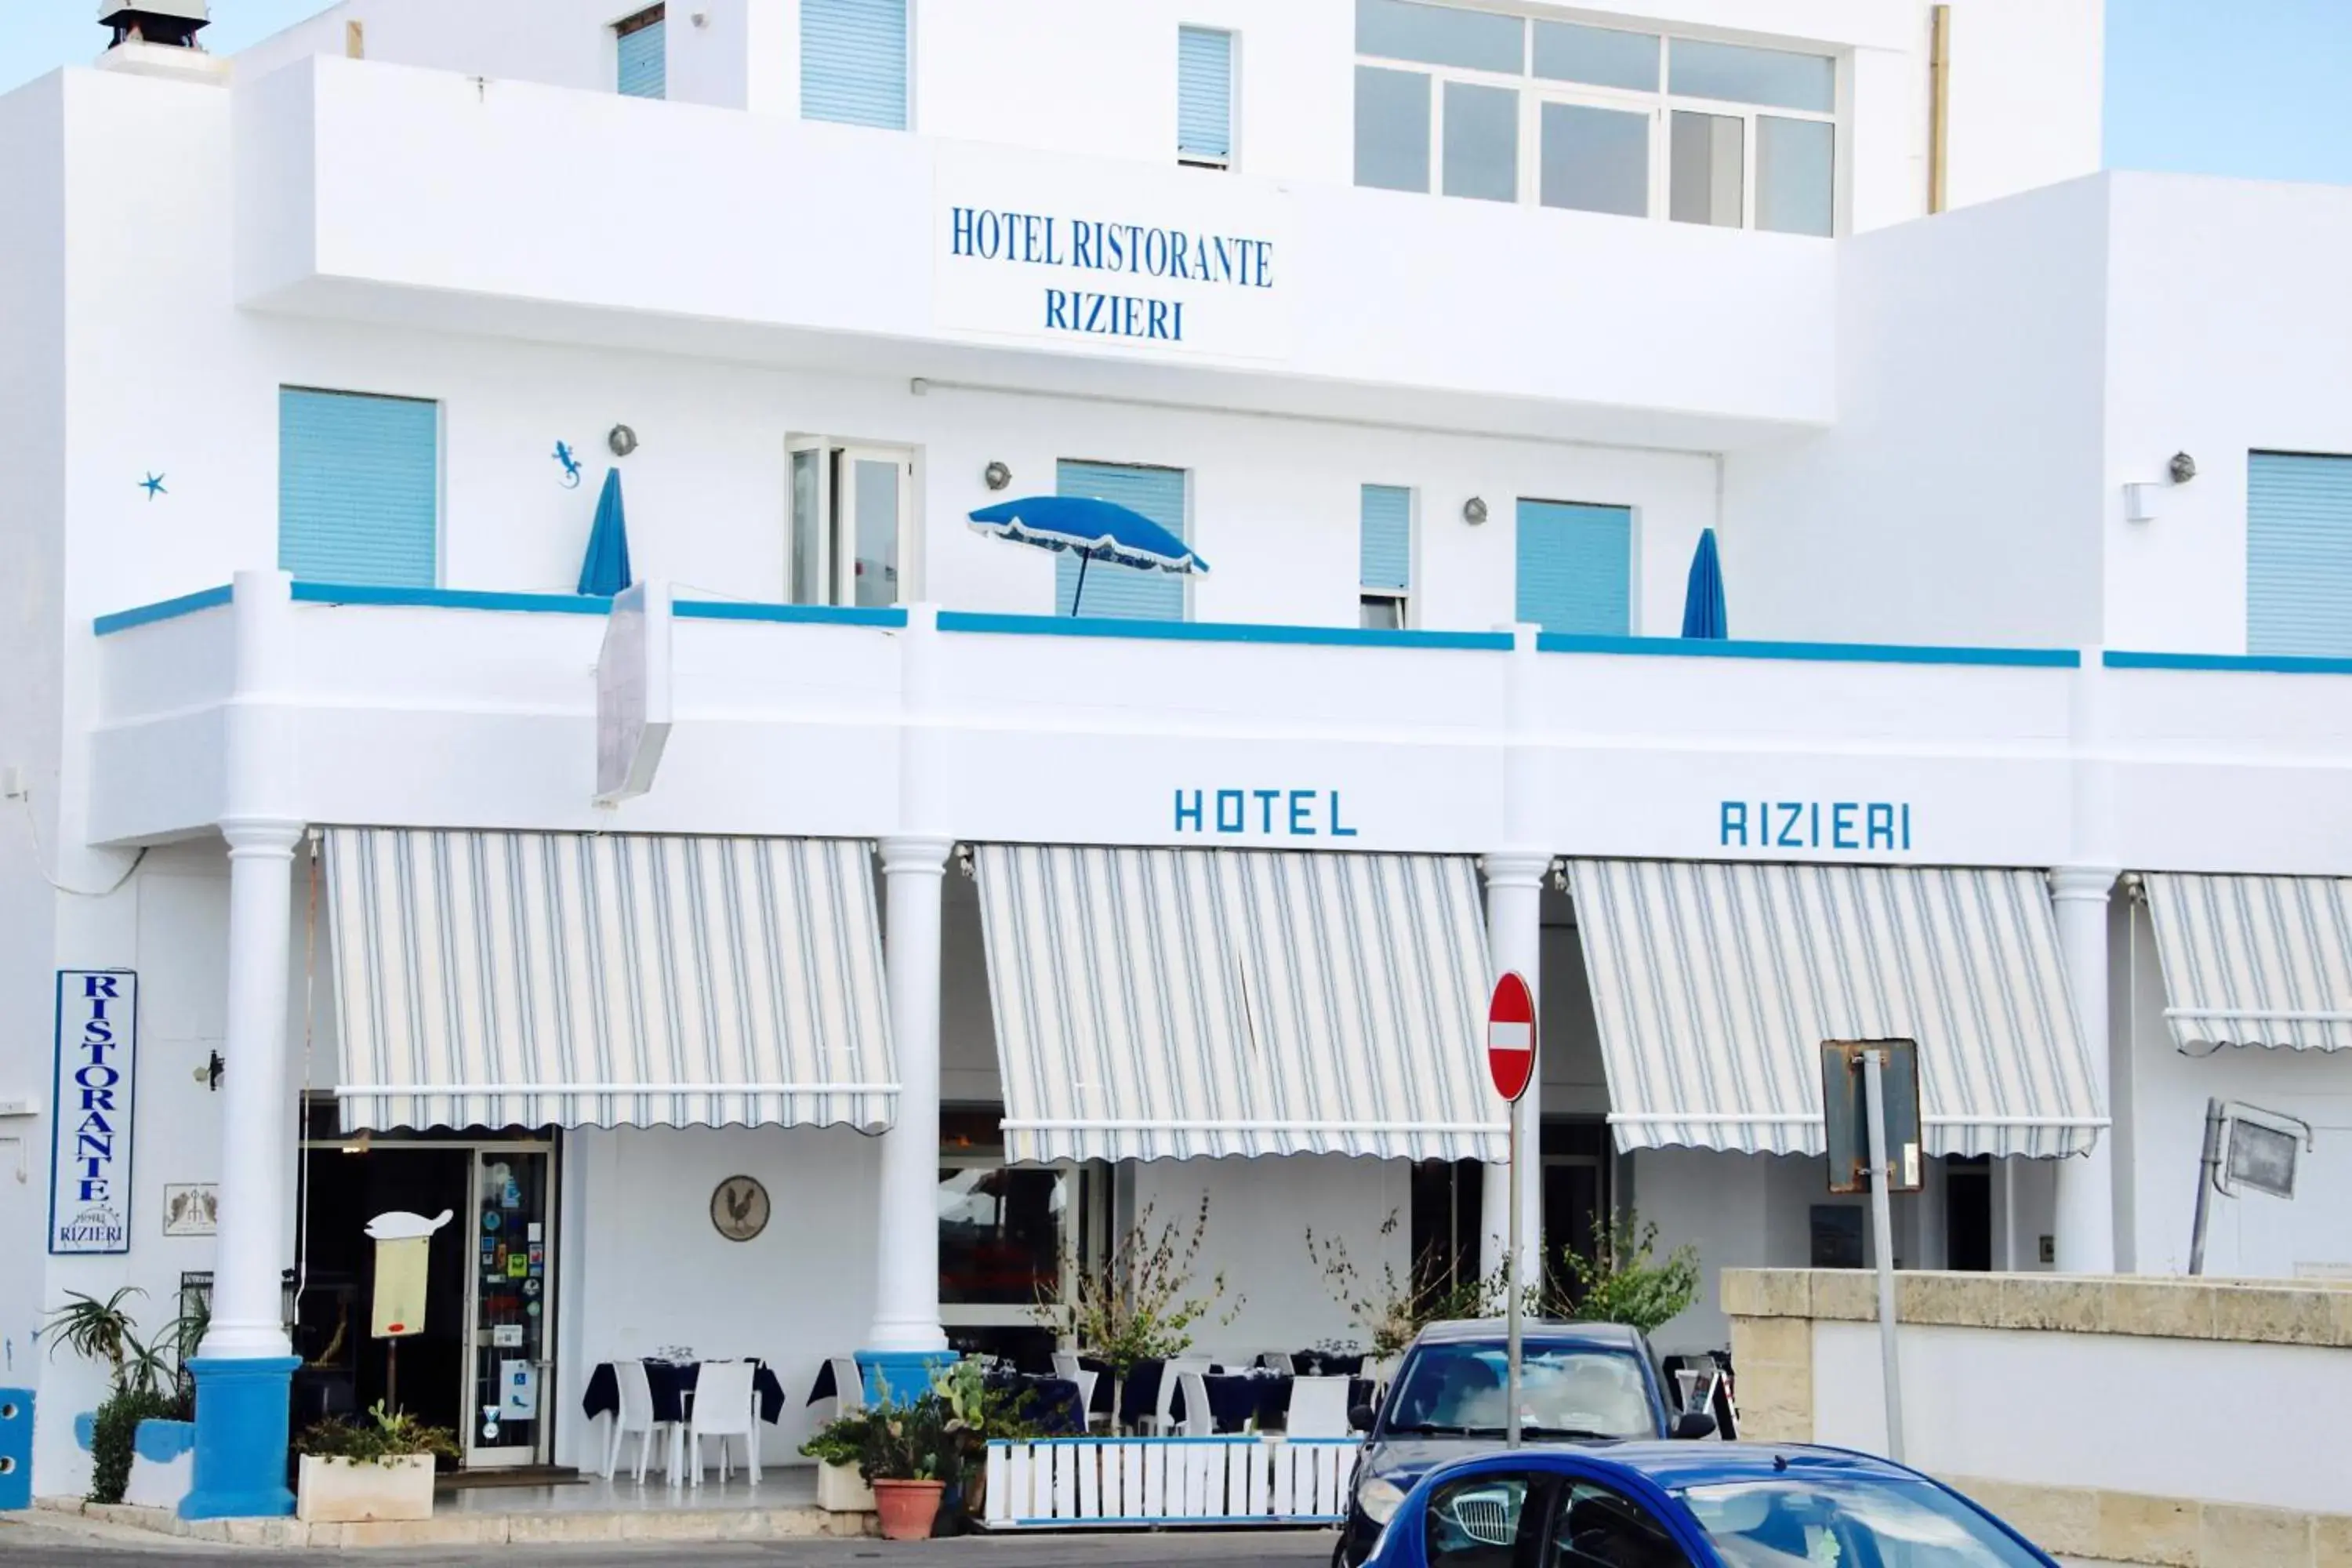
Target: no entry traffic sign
<point>1511,1036</point>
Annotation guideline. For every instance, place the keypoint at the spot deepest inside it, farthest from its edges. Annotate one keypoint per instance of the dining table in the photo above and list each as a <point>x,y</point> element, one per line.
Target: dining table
<point>671,1385</point>
<point>1238,1401</point>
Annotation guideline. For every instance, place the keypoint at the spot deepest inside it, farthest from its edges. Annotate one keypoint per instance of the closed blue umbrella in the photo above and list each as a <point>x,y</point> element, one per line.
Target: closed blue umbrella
<point>1704,615</point>
<point>1092,530</point>
<point>606,571</point>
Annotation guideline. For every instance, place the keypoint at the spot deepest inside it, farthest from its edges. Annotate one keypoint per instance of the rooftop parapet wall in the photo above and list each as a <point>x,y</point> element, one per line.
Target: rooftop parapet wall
<point>2125,1419</point>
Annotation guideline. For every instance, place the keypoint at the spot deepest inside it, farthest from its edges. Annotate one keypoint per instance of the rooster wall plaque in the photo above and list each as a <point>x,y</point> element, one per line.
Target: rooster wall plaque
<point>738,1208</point>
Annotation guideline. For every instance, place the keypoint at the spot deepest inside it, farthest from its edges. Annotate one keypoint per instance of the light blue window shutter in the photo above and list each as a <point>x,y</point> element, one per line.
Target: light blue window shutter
<point>1123,593</point>
<point>2299,555</point>
<point>645,62</point>
<point>358,485</point>
<point>1387,537</point>
<point>1204,94</point>
<point>854,62</point>
<point>1576,567</point>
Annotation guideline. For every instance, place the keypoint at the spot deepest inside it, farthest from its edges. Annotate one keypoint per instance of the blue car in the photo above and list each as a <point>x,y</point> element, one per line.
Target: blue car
<point>1583,1382</point>
<point>1692,1505</point>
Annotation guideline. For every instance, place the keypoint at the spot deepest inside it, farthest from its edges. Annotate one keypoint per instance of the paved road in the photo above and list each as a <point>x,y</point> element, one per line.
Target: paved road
<point>41,1545</point>
<point>26,1545</point>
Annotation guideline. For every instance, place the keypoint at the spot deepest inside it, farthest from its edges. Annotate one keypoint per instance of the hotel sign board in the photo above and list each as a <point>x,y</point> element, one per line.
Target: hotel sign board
<point>89,1125</point>
<point>1058,253</point>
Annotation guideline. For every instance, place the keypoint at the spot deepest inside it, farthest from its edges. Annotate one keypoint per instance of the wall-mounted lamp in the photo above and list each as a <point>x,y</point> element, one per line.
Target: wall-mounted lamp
<point>622,440</point>
<point>996,476</point>
<point>1473,511</point>
<point>209,1075</point>
<point>2145,499</point>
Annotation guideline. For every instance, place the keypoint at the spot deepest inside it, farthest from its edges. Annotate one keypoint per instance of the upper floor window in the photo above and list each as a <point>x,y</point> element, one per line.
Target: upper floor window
<point>2299,554</point>
<point>853,524</point>
<point>1124,592</point>
<point>1384,573</point>
<point>1576,567</point>
<point>359,487</point>
<point>1500,107</point>
<point>1205,98</point>
<point>643,68</point>
<point>854,62</point>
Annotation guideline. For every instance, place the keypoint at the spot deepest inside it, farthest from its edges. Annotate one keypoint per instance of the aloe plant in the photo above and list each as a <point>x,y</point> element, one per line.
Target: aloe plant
<point>105,1331</point>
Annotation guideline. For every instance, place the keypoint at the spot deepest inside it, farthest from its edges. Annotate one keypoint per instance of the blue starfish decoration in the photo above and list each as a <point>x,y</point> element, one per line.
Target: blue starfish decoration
<point>570,465</point>
<point>153,485</point>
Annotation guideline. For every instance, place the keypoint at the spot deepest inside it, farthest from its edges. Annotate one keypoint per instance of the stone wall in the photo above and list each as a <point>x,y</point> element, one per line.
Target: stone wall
<point>2210,1438</point>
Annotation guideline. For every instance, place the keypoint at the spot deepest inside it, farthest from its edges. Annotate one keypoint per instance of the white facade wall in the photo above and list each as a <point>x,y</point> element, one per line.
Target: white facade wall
<point>1066,76</point>
<point>1916,434</point>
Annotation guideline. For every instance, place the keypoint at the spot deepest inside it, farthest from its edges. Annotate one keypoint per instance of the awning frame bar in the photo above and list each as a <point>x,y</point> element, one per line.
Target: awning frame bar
<point>446,1090</point>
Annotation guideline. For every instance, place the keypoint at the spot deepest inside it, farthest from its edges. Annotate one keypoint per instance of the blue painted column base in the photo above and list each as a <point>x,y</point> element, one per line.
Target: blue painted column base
<point>242,1415</point>
<point>901,1377</point>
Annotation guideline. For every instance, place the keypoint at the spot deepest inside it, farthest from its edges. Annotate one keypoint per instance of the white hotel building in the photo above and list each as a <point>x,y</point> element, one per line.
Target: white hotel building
<point>2020,746</point>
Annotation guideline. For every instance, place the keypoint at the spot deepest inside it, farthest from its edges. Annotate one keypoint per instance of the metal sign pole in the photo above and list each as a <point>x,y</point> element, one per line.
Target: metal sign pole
<point>1881,1213</point>
<point>1511,1308</point>
<point>2208,1171</point>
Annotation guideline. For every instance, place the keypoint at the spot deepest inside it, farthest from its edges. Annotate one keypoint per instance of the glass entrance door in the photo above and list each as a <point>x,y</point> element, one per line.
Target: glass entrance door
<point>508,1420</point>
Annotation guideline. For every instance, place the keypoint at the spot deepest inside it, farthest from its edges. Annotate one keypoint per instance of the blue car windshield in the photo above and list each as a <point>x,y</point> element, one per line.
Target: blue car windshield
<point>1565,1391</point>
<point>1800,1520</point>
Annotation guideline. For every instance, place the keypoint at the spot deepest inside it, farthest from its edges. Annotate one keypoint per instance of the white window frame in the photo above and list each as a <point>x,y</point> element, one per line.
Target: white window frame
<point>1660,105</point>
<point>836,504</point>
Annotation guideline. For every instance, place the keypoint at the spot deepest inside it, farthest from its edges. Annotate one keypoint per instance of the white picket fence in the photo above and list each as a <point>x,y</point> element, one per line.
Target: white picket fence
<point>1077,1482</point>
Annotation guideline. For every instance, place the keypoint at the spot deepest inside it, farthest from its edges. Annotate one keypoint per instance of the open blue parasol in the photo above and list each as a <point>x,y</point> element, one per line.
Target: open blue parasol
<point>1091,530</point>
<point>1704,612</point>
<point>605,569</point>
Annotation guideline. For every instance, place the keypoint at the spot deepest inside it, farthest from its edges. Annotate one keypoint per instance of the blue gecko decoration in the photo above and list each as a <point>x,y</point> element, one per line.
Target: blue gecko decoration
<point>153,485</point>
<point>570,465</point>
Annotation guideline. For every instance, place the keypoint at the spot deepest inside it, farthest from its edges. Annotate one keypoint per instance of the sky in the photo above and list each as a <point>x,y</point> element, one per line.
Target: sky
<point>2255,89</point>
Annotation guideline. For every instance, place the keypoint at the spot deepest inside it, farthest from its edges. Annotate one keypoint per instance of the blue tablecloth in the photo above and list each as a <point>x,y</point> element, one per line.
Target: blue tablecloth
<point>669,1382</point>
<point>1233,1401</point>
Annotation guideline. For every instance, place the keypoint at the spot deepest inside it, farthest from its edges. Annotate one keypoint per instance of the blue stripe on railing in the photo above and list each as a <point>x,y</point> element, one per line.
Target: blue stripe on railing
<point>814,615</point>
<point>161,610</point>
<point>451,599</point>
<point>2253,664</point>
<point>1820,652</point>
<point>1216,631</point>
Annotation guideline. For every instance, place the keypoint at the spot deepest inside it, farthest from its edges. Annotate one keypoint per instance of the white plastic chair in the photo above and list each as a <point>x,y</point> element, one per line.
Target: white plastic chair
<point>1318,1408</point>
<point>1067,1367</point>
<point>1171,1372</point>
<point>848,1386</point>
<point>1278,1362</point>
<point>723,1408</point>
<point>1200,1421</point>
<point>636,1414</point>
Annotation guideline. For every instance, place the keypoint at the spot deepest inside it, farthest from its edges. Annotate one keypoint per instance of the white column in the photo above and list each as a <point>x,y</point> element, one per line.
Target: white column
<point>907,1270</point>
<point>2087,1189</point>
<point>1515,941</point>
<point>258,1133</point>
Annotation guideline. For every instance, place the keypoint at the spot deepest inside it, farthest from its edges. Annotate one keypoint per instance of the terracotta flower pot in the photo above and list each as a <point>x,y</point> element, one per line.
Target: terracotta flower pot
<point>909,1509</point>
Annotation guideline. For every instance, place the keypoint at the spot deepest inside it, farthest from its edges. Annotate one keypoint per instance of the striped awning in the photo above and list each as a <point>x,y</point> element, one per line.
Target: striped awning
<point>524,979</point>
<point>1175,1004</point>
<point>1714,985</point>
<point>2254,961</point>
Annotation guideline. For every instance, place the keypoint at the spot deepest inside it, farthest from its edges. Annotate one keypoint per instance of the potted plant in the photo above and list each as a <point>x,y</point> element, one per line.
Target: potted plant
<point>136,1399</point>
<point>905,1452</point>
<point>838,1448</point>
<point>380,1468</point>
<point>1138,1304</point>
